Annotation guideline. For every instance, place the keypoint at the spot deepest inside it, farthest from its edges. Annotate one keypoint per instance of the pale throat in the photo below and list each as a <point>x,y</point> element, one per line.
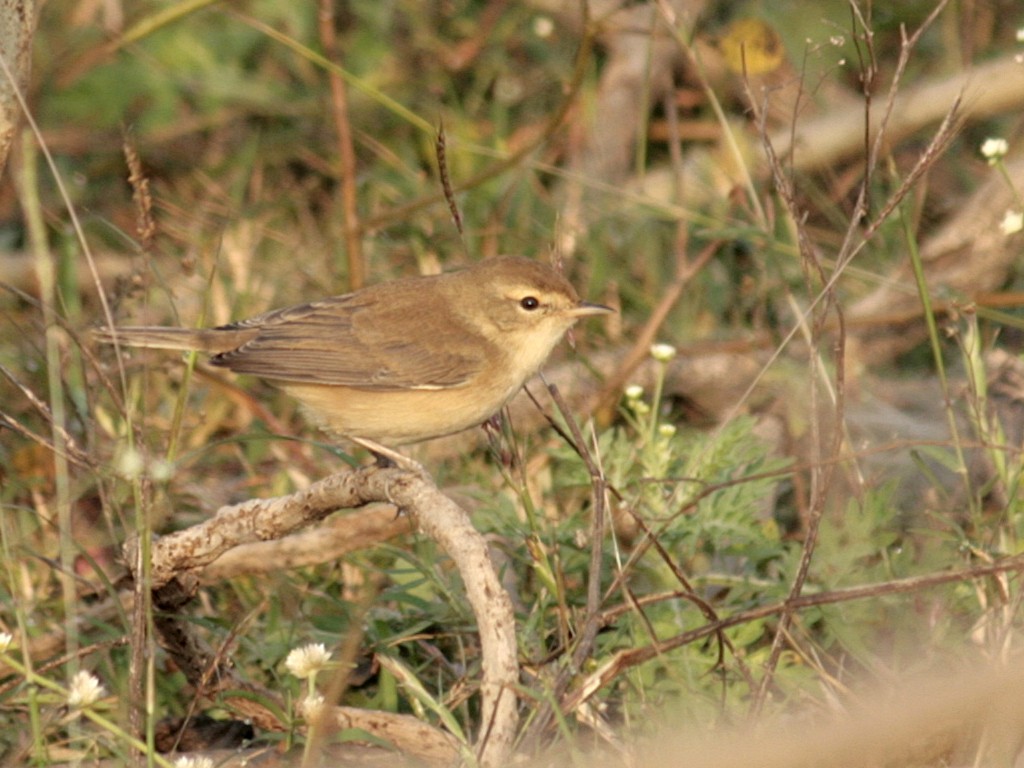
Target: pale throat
<point>527,349</point>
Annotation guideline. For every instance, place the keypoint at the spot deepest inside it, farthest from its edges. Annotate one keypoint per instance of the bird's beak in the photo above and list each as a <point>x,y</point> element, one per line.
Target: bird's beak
<point>585,309</point>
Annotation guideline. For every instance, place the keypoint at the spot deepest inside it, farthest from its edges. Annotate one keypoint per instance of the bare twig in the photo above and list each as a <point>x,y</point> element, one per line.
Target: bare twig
<point>591,624</point>
<point>823,302</point>
<point>626,659</point>
<point>346,152</point>
<point>66,448</point>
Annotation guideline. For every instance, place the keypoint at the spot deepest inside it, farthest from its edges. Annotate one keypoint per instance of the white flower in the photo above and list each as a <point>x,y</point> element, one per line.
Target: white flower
<point>666,430</point>
<point>85,690</point>
<point>663,352</point>
<point>311,707</point>
<point>994,150</point>
<point>1012,223</point>
<point>161,470</point>
<point>543,26</point>
<point>6,638</point>
<point>634,392</point>
<point>131,464</point>
<point>308,660</point>
<point>199,761</point>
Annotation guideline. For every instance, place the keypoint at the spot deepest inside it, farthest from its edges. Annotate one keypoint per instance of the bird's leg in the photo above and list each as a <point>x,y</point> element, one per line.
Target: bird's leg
<point>386,457</point>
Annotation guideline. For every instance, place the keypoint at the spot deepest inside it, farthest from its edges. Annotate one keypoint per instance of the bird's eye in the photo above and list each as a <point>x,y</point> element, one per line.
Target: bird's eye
<point>529,303</point>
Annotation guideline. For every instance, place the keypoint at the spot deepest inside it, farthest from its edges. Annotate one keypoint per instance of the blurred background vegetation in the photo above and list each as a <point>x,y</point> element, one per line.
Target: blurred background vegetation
<point>812,427</point>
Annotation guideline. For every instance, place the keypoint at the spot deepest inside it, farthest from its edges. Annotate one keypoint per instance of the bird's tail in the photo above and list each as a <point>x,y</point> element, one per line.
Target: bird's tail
<point>156,337</point>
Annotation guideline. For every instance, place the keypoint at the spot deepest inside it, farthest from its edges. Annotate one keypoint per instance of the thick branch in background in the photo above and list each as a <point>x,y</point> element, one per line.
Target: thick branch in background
<point>17,25</point>
<point>969,258</point>
<point>986,89</point>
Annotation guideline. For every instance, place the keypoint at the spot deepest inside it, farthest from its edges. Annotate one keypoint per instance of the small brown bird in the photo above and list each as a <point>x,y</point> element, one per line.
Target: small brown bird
<point>402,361</point>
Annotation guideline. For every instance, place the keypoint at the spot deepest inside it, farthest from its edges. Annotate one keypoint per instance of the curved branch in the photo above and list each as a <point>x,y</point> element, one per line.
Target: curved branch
<point>179,557</point>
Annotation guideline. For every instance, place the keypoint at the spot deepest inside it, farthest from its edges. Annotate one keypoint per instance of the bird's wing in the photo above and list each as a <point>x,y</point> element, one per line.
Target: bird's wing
<point>351,340</point>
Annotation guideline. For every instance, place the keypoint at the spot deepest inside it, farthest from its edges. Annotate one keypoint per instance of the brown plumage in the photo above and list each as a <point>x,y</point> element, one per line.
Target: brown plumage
<point>402,361</point>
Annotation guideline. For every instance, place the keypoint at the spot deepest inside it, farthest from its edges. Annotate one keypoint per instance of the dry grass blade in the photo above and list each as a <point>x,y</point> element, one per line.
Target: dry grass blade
<point>346,151</point>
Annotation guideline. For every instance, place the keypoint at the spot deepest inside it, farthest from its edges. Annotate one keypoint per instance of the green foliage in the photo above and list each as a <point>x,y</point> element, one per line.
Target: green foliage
<point>703,499</point>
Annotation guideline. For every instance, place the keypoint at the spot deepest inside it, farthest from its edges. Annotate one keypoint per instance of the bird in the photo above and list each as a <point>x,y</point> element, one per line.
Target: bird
<point>402,361</point>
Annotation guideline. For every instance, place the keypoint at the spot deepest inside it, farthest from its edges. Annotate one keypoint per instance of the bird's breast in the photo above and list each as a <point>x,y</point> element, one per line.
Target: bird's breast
<point>401,416</point>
